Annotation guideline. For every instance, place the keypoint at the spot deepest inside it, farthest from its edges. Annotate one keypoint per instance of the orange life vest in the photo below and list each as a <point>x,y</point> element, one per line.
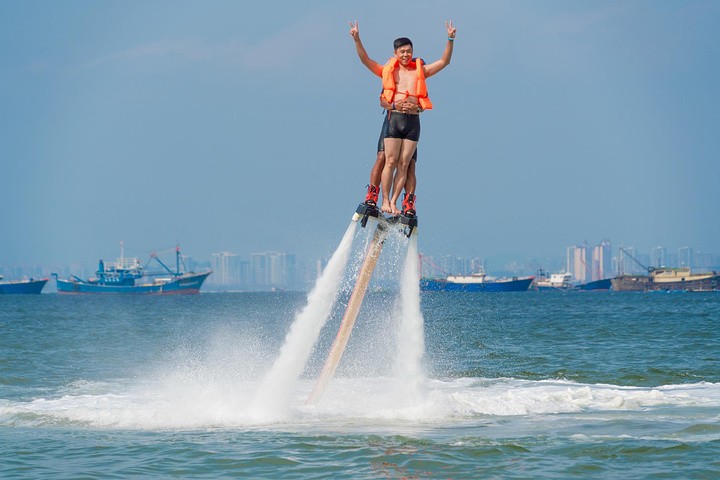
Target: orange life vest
<point>388,80</point>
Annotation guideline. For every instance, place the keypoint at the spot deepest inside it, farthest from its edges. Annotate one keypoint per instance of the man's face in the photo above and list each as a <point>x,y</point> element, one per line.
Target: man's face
<point>404,54</point>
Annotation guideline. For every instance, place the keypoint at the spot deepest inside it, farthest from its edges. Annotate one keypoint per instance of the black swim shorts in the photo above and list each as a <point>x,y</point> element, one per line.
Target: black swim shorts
<point>403,125</point>
<point>383,134</point>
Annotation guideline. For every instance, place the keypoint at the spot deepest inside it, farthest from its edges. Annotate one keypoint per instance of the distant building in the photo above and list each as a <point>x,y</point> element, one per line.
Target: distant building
<point>228,270</point>
<point>427,267</point>
<point>578,262</point>
<point>476,265</point>
<point>273,269</point>
<point>643,258</point>
<point>685,257</point>
<point>189,264</point>
<point>602,261</point>
<point>704,262</point>
<point>627,264</point>
<point>658,257</point>
<point>634,262</point>
<point>453,265</point>
<point>265,270</point>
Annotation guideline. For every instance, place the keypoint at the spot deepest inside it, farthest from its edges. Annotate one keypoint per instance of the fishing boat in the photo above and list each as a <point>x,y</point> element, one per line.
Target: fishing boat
<point>664,279</point>
<point>124,277</point>
<point>595,285</point>
<point>561,282</point>
<point>668,280</point>
<point>28,287</point>
<point>477,282</point>
<point>557,281</point>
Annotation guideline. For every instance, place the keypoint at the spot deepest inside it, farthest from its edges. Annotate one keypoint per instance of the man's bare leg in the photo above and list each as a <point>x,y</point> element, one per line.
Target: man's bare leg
<point>411,182</point>
<point>406,152</point>
<point>392,156</point>
<point>408,202</point>
<point>376,172</point>
<point>375,176</point>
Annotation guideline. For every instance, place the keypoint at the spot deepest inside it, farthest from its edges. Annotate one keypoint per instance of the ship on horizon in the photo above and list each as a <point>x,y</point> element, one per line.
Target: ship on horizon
<point>25,287</point>
<point>668,280</point>
<point>562,282</point>
<point>477,282</point>
<point>665,279</point>
<point>556,281</point>
<point>123,276</point>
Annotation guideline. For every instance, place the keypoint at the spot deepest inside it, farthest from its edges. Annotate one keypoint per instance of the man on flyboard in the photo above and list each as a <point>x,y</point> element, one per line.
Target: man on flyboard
<point>404,96</point>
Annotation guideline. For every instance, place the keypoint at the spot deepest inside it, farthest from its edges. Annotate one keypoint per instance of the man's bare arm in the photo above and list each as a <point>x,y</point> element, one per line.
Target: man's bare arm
<point>371,64</point>
<point>435,67</point>
<point>402,106</point>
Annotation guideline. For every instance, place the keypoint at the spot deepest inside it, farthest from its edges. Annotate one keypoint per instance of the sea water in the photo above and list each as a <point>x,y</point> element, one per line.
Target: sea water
<point>505,385</point>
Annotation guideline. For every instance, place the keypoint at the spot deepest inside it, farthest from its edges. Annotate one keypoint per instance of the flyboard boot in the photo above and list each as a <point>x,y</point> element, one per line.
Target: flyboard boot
<point>372,196</point>
<point>409,205</point>
<point>369,207</point>
<point>409,215</point>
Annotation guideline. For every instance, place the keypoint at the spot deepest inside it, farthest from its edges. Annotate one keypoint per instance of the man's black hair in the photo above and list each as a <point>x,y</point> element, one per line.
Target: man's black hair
<point>401,42</point>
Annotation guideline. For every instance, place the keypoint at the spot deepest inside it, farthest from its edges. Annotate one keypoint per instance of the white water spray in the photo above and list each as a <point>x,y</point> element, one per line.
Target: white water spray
<point>275,390</point>
<point>411,336</point>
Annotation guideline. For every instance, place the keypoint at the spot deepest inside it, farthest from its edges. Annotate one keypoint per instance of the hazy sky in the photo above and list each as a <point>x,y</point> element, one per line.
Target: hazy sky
<point>251,126</point>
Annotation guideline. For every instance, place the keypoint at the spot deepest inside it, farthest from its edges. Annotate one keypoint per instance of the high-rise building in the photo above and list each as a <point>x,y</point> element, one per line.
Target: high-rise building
<point>273,269</point>
<point>628,265</point>
<point>258,269</point>
<point>228,269</point>
<point>578,262</point>
<point>704,262</point>
<point>475,265</point>
<point>685,257</point>
<point>643,258</point>
<point>453,265</point>
<point>602,260</point>
<point>658,256</point>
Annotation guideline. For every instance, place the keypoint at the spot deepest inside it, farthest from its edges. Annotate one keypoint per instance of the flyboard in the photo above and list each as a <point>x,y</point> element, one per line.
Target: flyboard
<point>408,226</point>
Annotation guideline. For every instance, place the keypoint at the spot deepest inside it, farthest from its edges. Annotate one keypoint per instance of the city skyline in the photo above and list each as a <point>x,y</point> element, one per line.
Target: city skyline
<point>241,127</point>
<point>271,270</point>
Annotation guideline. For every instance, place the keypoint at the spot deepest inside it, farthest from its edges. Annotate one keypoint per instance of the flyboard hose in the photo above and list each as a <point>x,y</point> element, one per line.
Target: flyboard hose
<point>353,308</point>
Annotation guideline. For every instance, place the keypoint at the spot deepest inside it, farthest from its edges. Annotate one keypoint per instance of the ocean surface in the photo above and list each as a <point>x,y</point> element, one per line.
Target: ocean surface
<point>514,385</point>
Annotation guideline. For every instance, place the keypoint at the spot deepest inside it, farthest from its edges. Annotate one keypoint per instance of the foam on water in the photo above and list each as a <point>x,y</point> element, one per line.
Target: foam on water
<point>199,405</point>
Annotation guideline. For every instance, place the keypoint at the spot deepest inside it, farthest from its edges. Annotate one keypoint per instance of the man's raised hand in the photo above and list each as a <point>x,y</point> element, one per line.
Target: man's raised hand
<point>354,32</point>
<point>450,29</point>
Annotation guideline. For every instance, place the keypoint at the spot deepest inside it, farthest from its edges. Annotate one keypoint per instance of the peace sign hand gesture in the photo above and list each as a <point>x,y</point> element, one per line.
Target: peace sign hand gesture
<point>450,30</point>
<point>354,32</point>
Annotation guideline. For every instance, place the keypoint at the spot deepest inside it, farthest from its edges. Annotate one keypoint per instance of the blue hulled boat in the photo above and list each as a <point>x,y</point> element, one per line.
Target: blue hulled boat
<point>604,284</point>
<point>27,287</point>
<point>124,275</point>
<point>478,282</point>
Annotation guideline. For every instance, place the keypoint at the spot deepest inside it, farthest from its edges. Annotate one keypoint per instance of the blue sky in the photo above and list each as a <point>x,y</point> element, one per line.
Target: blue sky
<point>251,126</point>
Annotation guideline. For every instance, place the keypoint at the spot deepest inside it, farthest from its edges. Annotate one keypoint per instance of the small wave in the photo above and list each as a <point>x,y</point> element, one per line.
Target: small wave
<point>176,405</point>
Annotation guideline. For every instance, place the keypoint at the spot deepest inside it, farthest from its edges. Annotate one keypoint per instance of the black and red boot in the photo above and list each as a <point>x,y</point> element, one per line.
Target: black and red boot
<point>372,196</point>
<point>408,205</point>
